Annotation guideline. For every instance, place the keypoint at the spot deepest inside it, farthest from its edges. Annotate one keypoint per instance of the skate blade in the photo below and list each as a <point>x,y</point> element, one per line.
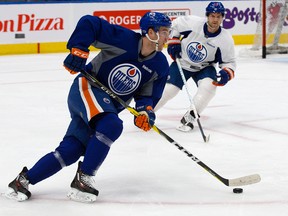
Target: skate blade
<point>11,194</point>
<point>80,196</point>
<point>184,128</point>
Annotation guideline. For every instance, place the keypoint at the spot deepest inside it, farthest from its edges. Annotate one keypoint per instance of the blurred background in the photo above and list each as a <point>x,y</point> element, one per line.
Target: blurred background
<point>32,26</point>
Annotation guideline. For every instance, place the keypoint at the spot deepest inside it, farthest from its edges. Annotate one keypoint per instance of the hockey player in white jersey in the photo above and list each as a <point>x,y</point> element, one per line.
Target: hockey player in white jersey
<point>200,44</point>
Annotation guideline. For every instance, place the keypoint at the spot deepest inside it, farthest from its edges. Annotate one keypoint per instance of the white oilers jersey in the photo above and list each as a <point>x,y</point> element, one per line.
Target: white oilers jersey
<point>201,48</point>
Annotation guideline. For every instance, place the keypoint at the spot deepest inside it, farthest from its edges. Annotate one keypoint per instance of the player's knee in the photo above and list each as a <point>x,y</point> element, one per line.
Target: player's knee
<point>206,85</point>
<point>69,151</point>
<point>110,125</point>
<point>170,91</point>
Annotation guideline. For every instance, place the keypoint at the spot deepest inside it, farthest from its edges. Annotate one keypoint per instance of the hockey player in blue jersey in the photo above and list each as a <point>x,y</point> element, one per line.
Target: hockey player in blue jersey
<point>133,67</point>
<point>200,44</point>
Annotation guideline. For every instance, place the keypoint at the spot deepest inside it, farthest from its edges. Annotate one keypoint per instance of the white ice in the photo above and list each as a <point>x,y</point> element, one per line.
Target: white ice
<point>144,174</point>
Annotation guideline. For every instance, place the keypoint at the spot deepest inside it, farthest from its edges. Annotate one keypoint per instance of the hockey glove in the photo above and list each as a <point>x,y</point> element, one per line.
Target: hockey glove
<point>224,76</point>
<point>174,48</point>
<point>76,60</point>
<point>146,118</point>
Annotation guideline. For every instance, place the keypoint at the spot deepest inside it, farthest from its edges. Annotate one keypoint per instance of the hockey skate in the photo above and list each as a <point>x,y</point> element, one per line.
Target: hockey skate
<point>18,188</point>
<point>83,187</point>
<point>187,122</point>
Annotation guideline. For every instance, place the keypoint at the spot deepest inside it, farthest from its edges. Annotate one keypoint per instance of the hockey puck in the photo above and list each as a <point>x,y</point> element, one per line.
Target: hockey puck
<point>237,190</point>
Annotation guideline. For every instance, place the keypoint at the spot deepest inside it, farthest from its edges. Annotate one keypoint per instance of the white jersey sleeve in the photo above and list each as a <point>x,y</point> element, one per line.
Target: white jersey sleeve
<point>200,50</point>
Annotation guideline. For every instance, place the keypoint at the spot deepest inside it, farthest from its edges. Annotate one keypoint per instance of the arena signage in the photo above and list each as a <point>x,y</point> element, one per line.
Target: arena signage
<point>31,22</point>
<point>125,18</point>
<point>41,23</point>
<point>131,18</point>
<point>249,14</point>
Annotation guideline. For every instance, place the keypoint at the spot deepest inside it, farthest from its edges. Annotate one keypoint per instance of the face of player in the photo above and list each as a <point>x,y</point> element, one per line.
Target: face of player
<point>214,21</point>
<point>162,37</point>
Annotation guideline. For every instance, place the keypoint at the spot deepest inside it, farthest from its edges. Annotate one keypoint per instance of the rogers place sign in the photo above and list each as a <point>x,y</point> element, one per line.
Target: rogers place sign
<point>131,18</point>
<point>126,18</point>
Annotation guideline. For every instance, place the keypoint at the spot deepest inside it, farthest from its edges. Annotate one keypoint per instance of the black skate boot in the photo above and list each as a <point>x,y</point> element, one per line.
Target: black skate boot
<point>187,122</point>
<point>18,188</point>
<point>83,187</point>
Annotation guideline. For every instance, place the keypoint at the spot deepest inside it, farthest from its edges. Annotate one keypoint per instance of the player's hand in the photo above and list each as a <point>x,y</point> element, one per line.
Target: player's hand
<point>224,76</point>
<point>146,118</point>
<point>76,60</point>
<point>174,48</point>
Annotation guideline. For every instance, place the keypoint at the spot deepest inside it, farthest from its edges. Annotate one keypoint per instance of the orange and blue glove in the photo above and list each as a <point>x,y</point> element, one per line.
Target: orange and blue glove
<point>225,75</point>
<point>174,48</point>
<point>76,60</point>
<point>146,118</point>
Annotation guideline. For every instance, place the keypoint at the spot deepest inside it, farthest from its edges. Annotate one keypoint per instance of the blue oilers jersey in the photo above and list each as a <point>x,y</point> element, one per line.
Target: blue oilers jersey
<point>119,65</point>
<point>199,48</point>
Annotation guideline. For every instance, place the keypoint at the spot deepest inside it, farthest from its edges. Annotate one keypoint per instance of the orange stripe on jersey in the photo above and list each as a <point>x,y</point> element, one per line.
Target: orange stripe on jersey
<point>88,98</point>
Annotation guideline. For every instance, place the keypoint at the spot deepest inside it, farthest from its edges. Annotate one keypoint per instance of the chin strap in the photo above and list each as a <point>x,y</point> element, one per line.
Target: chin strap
<point>155,41</point>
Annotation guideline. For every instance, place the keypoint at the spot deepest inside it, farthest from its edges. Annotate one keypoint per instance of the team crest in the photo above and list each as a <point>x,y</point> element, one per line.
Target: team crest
<point>124,79</point>
<point>196,52</point>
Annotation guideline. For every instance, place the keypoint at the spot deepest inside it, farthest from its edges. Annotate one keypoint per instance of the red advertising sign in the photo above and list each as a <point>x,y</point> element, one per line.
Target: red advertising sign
<point>126,18</point>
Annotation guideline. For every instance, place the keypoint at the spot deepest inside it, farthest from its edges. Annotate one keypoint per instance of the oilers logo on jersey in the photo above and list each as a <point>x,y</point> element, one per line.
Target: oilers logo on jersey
<point>124,79</point>
<point>196,52</point>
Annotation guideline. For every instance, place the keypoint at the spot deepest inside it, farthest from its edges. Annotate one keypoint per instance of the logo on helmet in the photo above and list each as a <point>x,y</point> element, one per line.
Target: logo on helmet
<point>215,7</point>
<point>154,20</point>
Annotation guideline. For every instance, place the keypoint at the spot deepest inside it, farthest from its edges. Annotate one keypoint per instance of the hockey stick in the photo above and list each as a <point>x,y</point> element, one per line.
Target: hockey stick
<point>205,138</point>
<point>245,180</point>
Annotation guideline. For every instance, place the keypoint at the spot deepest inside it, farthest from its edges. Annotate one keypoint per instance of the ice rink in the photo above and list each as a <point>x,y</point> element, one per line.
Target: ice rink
<point>144,174</point>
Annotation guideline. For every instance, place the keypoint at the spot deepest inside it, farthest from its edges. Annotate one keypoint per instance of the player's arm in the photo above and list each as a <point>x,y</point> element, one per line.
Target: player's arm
<point>144,104</point>
<point>88,30</point>
<point>181,28</point>
<point>148,97</point>
<point>227,63</point>
<point>146,118</point>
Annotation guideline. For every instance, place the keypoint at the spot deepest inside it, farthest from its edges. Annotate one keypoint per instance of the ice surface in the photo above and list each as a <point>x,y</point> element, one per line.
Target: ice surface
<point>144,174</point>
